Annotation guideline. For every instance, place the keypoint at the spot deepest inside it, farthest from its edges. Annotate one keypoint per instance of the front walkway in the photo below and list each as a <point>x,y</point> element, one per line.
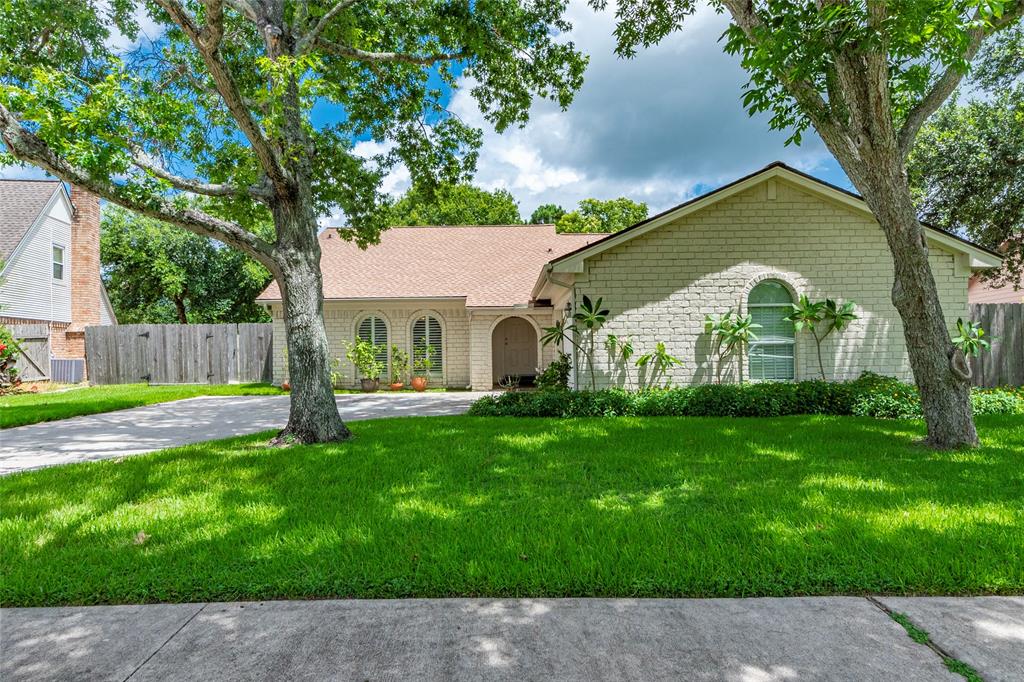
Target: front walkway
<point>745,640</point>
<point>165,425</point>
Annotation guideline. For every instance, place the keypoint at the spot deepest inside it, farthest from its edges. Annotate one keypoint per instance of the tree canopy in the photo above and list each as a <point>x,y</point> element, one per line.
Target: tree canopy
<point>546,214</point>
<point>596,215</point>
<point>157,273</point>
<point>967,166</point>
<point>455,204</point>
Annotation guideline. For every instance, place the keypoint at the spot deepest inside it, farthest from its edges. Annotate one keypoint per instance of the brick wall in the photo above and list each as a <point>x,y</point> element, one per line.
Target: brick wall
<point>659,286</point>
<point>85,264</point>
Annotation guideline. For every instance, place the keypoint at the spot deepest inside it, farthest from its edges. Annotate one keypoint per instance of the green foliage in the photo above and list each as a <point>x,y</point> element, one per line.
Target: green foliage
<point>620,350</point>
<point>730,332</point>
<point>363,355</point>
<point>821,318</point>
<point>423,357</point>
<point>399,365</point>
<point>455,204</point>
<point>660,361</point>
<point>966,169</point>
<point>10,349</point>
<point>546,214</point>
<point>159,273</point>
<point>588,318</point>
<point>556,376</point>
<point>970,338</point>
<point>868,396</point>
<point>594,215</point>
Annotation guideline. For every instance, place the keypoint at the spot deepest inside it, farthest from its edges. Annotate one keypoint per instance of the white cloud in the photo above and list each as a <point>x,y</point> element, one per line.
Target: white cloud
<point>659,128</point>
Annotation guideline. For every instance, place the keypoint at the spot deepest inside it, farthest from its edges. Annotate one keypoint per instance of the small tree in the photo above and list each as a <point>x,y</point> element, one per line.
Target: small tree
<point>399,365</point>
<point>730,332</point>
<point>364,355</point>
<point>660,361</point>
<point>970,338</point>
<point>590,317</point>
<point>620,350</point>
<point>423,358</point>
<point>821,318</point>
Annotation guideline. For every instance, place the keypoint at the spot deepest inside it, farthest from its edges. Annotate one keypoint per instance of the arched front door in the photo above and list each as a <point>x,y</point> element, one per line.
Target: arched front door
<point>513,349</point>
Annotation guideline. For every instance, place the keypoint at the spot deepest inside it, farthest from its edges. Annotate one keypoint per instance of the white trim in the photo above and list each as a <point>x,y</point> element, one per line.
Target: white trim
<point>419,315</point>
<point>574,263</point>
<point>43,215</point>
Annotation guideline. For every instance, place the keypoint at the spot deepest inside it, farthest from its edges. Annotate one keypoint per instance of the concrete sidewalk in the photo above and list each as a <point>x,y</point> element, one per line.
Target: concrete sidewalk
<point>182,422</point>
<point>816,638</point>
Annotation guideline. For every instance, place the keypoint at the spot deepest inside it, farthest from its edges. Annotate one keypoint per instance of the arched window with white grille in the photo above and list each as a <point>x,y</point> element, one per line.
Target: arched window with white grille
<point>374,329</point>
<point>771,356</point>
<point>428,334</point>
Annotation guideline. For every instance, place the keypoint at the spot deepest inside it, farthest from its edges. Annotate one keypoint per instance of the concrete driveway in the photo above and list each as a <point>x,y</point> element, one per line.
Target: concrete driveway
<point>165,425</point>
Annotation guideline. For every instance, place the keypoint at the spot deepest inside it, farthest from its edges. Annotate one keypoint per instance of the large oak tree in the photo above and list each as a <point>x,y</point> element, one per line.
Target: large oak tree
<point>866,74</point>
<point>221,105</point>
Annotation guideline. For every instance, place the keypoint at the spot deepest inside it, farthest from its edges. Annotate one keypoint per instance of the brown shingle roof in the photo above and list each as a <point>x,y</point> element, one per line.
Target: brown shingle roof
<point>494,265</point>
<point>21,202</point>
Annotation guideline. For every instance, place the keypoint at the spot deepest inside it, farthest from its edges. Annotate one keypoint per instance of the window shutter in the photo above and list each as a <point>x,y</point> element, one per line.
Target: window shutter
<point>426,331</point>
<point>771,357</point>
<point>374,330</point>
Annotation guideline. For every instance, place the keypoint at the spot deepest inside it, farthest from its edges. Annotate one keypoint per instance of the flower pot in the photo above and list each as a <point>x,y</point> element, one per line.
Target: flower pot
<point>419,383</point>
<point>286,385</point>
<point>369,385</point>
<point>397,386</point>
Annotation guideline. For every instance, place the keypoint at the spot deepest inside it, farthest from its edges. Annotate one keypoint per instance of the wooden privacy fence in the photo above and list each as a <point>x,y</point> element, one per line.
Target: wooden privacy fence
<point>34,362</point>
<point>179,353</point>
<point>1003,365</point>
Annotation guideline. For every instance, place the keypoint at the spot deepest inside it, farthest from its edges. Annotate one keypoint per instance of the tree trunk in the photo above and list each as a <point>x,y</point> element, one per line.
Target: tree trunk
<point>179,307</point>
<point>945,393</point>
<point>314,416</point>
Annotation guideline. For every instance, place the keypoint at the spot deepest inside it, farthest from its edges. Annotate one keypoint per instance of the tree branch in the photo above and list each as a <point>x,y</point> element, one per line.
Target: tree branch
<point>309,40</point>
<point>223,189</point>
<point>228,91</point>
<point>27,146</point>
<point>948,82</point>
<point>402,57</point>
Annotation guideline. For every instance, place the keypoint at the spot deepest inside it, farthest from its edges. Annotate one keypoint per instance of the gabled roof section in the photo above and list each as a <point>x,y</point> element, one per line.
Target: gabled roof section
<point>980,257</point>
<point>488,266</point>
<point>21,202</point>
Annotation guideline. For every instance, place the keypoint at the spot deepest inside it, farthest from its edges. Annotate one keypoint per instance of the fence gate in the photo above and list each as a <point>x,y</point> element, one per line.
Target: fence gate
<point>179,353</point>
<point>1003,364</point>
<point>34,362</point>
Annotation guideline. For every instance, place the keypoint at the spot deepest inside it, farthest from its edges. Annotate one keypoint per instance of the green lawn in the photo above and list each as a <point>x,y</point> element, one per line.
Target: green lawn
<point>499,506</point>
<point>31,408</point>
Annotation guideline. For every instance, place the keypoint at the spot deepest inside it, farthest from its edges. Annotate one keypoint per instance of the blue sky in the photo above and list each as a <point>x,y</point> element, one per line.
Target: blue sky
<point>661,128</point>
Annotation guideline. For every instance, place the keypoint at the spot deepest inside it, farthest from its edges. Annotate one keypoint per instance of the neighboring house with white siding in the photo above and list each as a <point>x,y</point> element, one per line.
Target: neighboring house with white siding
<point>753,246</point>
<point>49,246</point>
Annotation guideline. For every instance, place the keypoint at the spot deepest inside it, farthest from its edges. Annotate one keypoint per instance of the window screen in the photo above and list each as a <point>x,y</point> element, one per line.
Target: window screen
<point>771,356</point>
<point>374,330</point>
<point>426,331</point>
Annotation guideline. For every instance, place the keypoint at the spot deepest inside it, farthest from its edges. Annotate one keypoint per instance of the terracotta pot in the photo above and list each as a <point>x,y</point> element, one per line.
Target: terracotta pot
<point>419,383</point>
<point>397,386</point>
<point>369,385</point>
<point>286,386</point>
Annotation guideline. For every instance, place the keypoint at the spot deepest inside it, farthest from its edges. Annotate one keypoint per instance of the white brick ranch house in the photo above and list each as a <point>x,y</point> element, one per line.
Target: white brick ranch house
<point>482,295</point>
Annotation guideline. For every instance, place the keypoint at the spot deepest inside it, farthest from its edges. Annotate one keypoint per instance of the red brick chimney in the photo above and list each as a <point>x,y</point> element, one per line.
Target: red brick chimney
<point>85,260</point>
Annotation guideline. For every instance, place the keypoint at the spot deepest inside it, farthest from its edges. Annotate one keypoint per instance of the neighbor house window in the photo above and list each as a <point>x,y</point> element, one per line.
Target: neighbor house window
<point>58,262</point>
<point>375,330</point>
<point>771,356</point>
<point>426,332</point>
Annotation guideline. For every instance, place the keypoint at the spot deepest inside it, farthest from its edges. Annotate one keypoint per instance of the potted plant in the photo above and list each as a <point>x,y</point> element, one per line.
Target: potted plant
<point>363,355</point>
<point>399,367</point>
<point>422,363</point>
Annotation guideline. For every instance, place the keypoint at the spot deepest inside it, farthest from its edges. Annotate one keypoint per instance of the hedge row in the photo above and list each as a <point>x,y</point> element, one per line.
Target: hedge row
<point>870,395</point>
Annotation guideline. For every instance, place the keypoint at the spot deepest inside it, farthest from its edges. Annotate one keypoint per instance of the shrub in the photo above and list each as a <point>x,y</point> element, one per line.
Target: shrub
<point>870,395</point>
<point>556,376</point>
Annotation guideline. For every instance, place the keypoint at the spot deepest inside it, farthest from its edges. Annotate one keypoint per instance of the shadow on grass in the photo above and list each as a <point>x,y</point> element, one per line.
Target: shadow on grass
<point>499,507</point>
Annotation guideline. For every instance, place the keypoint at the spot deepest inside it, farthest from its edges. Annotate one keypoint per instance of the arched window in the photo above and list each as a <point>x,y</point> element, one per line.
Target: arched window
<point>771,357</point>
<point>375,330</point>
<point>427,333</point>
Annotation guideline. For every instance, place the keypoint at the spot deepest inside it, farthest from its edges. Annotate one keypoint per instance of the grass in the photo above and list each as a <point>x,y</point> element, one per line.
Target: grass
<point>32,408</point>
<point>507,507</point>
<point>953,665</point>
